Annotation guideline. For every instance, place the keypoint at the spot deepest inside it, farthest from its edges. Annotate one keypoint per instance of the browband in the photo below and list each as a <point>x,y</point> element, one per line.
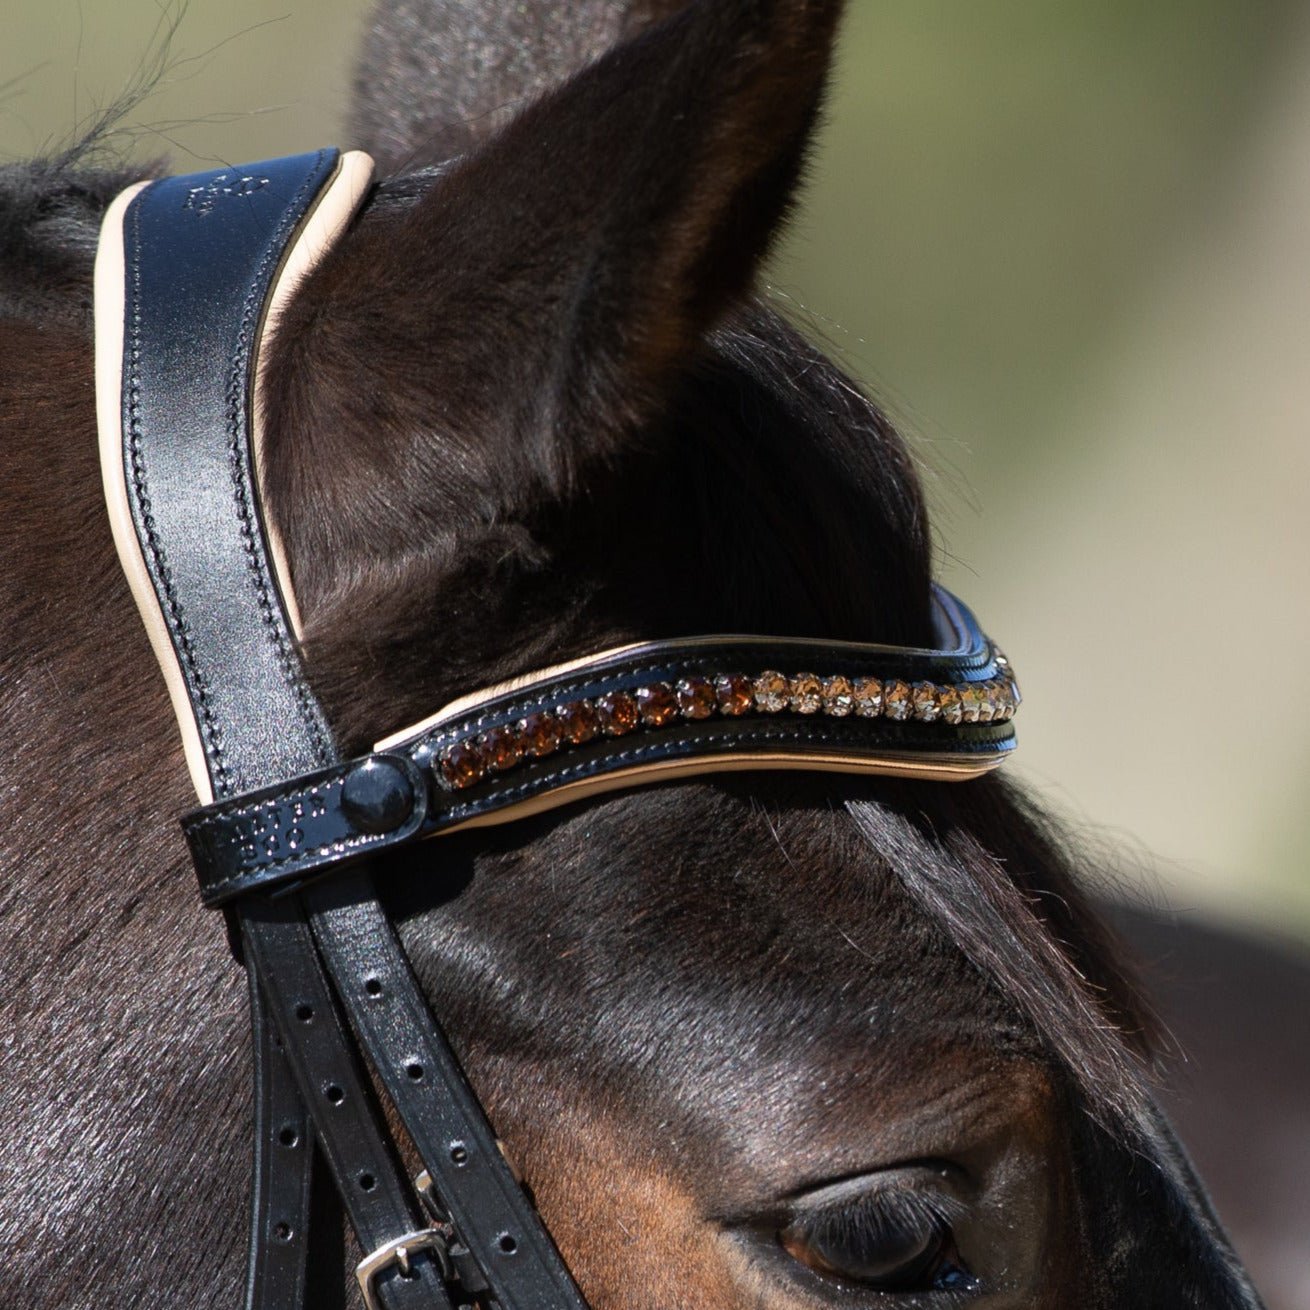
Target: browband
<point>191,275</point>
<point>644,713</point>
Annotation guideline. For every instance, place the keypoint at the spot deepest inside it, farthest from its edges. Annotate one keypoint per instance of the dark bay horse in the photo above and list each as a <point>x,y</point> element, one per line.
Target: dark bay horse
<point>776,1042</point>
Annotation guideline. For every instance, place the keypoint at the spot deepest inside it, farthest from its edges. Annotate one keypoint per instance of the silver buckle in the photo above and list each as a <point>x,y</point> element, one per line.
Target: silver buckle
<point>399,1253</point>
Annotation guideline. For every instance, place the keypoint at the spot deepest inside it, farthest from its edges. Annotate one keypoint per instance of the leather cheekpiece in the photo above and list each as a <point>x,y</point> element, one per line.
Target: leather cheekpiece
<point>189,266</point>
<point>201,256</point>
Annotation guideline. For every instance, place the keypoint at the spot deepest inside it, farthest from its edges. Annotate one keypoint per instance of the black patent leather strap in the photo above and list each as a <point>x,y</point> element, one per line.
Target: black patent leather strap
<point>336,1088</point>
<point>476,1187</point>
<point>201,253</point>
<point>282,1171</point>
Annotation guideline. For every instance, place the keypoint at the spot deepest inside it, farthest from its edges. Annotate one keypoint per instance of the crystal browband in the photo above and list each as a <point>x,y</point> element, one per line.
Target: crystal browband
<point>645,713</point>
<point>467,762</point>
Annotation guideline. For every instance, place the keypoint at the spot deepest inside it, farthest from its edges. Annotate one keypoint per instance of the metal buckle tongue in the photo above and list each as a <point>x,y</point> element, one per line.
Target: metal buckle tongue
<point>399,1252</point>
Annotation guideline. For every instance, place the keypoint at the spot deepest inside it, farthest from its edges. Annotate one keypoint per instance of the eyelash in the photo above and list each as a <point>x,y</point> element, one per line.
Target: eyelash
<point>884,1212</point>
<point>874,1213</point>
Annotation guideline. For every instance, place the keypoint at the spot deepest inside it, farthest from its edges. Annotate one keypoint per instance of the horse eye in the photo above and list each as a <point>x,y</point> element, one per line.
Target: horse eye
<point>888,1243</point>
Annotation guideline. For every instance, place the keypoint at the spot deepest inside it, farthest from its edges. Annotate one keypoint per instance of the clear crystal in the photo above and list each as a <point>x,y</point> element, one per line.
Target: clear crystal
<point>896,702</point>
<point>867,695</point>
<point>838,697</point>
<point>772,692</point>
<point>971,699</point>
<point>1001,698</point>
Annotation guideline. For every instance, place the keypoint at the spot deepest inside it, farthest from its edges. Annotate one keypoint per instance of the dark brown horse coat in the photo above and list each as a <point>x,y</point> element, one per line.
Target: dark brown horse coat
<point>784,1042</point>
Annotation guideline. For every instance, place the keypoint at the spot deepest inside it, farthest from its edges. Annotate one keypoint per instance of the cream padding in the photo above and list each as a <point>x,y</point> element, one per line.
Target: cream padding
<point>336,207</point>
<point>110,305</point>
<point>928,768</point>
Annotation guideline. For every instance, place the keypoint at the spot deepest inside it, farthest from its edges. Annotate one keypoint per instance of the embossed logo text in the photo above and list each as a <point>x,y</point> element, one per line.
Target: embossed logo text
<point>203,199</point>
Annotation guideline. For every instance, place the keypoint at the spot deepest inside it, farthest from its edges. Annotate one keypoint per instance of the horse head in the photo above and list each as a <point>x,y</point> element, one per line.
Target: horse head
<point>775,1041</point>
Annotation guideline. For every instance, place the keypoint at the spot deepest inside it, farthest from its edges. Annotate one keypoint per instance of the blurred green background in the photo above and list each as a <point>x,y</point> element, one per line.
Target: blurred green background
<point>1066,242</point>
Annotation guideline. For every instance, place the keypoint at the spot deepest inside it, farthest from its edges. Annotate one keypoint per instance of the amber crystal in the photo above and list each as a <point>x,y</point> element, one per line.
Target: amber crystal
<point>696,699</point>
<point>772,692</point>
<point>948,701</point>
<point>658,704</point>
<point>618,712</point>
<point>896,702</point>
<point>971,699</point>
<point>736,694</point>
<point>463,764</point>
<point>838,697</point>
<point>540,734</point>
<point>807,693</point>
<point>867,695</point>
<point>503,748</point>
<point>579,721</point>
<point>923,697</point>
<point>986,702</point>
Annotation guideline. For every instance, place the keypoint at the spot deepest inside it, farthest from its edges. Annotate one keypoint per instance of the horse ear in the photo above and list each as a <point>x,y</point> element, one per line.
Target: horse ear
<point>517,323</point>
<point>494,56</point>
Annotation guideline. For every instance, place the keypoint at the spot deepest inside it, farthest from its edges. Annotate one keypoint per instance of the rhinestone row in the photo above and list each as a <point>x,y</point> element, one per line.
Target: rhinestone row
<point>618,713</point>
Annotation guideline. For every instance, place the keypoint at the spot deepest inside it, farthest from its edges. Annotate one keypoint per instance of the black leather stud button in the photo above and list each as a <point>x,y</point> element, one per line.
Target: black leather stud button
<point>377,795</point>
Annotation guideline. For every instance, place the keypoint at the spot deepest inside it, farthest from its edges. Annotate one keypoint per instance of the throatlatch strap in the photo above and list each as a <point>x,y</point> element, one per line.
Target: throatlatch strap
<point>189,269</point>
<point>283,1171</point>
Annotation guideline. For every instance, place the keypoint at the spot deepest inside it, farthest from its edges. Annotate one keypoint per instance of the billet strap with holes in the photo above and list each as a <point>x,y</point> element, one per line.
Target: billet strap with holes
<point>191,275</point>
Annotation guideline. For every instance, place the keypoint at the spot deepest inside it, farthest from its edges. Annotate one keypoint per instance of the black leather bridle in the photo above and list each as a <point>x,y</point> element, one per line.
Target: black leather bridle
<point>192,273</point>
